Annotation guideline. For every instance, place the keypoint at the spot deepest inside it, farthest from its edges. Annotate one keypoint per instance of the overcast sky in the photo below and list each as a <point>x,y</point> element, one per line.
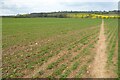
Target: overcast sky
<point>9,7</point>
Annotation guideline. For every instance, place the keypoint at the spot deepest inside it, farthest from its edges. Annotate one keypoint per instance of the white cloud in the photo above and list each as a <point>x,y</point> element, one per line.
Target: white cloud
<point>91,0</point>
<point>28,6</point>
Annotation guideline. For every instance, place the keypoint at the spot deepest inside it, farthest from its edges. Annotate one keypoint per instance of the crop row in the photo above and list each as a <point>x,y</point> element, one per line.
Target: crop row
<point>112,41</point>
<point>77,54</point>
<point>32,59</point>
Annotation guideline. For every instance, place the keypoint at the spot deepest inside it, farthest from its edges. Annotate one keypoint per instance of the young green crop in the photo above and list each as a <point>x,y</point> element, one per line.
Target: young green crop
<point>111,26</point>
<point>34,41</point>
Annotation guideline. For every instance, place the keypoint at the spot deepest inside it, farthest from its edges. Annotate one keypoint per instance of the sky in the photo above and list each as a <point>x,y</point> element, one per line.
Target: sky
<point>12,7</point>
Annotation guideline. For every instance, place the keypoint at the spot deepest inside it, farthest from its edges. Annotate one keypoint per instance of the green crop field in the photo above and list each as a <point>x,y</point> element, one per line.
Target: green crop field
<point>55,47</point>
<point>111,26</point>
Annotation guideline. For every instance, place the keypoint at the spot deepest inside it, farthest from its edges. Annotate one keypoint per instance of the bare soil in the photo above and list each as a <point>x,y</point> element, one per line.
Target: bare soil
<point>99,64</point>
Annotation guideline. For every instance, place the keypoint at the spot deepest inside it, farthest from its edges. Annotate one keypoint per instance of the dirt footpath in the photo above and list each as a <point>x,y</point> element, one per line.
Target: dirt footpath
<point>100,61</point>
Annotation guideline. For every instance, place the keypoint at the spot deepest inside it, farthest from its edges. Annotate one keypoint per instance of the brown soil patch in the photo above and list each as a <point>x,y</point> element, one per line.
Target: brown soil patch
<point>99,64</point>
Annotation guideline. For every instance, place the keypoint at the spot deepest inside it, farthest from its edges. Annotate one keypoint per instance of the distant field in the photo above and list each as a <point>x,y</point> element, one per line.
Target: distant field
<point>23,30</point>
<point>55,47</point>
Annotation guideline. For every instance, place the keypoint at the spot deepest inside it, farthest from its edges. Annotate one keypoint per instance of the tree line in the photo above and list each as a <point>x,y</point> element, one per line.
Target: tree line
<point>62,14</point>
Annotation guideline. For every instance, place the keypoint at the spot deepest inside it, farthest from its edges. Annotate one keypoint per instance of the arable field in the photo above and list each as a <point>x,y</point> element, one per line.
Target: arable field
<point>111,32</point>
<point>58,47</point>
